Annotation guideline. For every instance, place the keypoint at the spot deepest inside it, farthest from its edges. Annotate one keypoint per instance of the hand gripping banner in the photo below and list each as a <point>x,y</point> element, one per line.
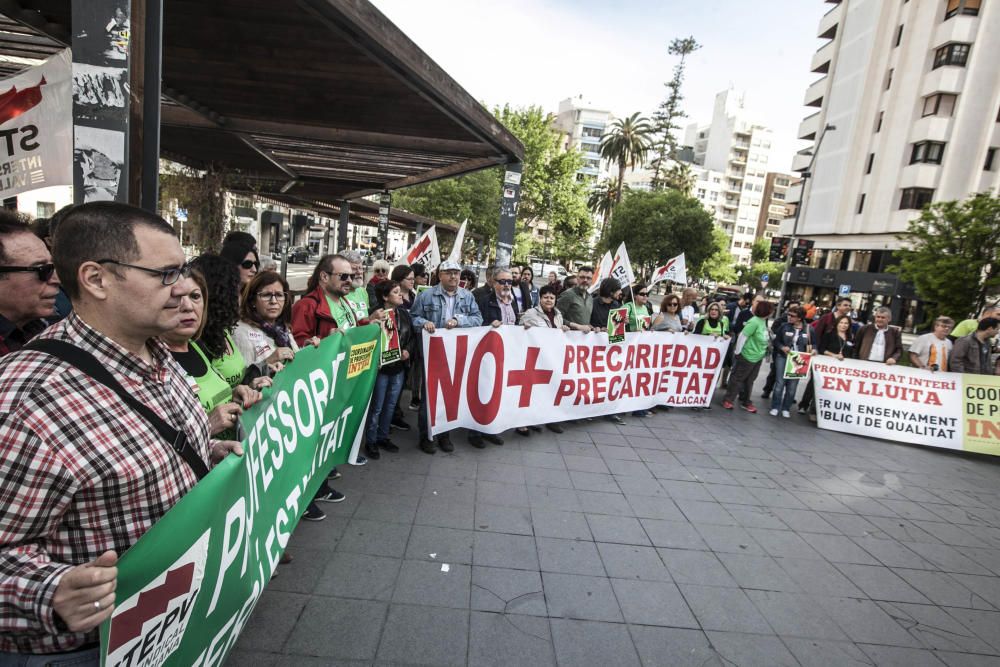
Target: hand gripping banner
<point>492,379</point>
<point>188,586</point>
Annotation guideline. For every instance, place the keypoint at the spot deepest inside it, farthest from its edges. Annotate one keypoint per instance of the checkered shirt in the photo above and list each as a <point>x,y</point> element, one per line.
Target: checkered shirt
<point>80,472</point>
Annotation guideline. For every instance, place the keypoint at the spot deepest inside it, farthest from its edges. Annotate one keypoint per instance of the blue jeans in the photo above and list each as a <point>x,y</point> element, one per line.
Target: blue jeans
<point>784,390</point>
<point>86,658</point>
<point>388,387</point>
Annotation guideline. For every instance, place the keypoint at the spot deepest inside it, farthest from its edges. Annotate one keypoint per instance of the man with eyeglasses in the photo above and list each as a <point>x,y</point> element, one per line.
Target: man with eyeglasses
<point>28,283</point>
<point>357,296</point>
<point>576,303</point>
<point>83,470</point>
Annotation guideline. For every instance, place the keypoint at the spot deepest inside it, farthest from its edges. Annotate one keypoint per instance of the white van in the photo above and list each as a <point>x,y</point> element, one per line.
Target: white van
<point>542,271</point>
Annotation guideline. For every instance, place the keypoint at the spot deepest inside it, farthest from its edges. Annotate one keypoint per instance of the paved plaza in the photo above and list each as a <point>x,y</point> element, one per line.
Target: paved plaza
<point>686,538</point>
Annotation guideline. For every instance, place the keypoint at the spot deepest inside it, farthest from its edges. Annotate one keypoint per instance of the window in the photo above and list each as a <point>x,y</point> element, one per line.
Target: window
<point>871,163</point>
<point>759,188</point>
<point>878,124</point>
<point>701,193</point>
<point>748,186</point>
<point>45,209</point>
<point>930,152</point>
<point>592,132</point>
<point>967,7</point>
<point>991,153</point>
<point>861,203</point>
<point>713,196</point>
<point>915,198</point>
<point>939,104</point>
<point>899,34</point>
<point>781,182</point>
<point>888,79</point>
<point>954,55</point>
<point>778,195</point>
<point>716,179</point>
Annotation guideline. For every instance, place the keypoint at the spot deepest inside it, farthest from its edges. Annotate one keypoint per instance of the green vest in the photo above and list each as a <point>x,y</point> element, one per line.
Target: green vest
<point>358,298</point>
<point>230,366</point>
<point>639,318</point>
<point>213,391</point>
<point>721,329</point>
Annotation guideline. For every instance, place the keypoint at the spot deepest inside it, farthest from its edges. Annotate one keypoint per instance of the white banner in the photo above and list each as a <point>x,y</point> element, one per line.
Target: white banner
<point>456,250</point>
<point>36,121</point>
<point>675,271</point>
<point>621,267</point>
<point>602,271</point>
<point>490,380</point>
<point>425,251</point>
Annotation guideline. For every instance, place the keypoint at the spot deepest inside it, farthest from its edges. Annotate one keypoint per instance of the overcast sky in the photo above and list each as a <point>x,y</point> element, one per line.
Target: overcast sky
<point>538,52</point>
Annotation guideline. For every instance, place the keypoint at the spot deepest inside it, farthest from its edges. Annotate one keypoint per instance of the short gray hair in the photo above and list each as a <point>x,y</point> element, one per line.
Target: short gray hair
<point>945,320</point>
<point>497,270</point>
<point>352,256</point>
<point>883,310</point>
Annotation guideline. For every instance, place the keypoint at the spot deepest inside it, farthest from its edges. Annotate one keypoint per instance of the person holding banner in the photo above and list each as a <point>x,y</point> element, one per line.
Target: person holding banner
<point>748,353</point>
<point>262,334</point>
<point>357,297</point>
<point>639,314</point>
<point>932,350</point>
<point>403,276</point>
<point>792,336</point>
<point>971,354</point>
<point>222,312</point>
<point>608,298</point>
<point>529,293</point>
<point>669,318</point>
<point>85,465</point>
<point>576,304</point>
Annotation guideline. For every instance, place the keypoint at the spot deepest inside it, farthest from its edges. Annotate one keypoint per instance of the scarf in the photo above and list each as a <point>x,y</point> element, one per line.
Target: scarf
<point>277,331</point>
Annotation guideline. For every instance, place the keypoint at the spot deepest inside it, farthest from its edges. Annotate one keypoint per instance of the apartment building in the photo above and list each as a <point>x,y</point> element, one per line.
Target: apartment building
<point>582,125</point>
<point>775,206</point>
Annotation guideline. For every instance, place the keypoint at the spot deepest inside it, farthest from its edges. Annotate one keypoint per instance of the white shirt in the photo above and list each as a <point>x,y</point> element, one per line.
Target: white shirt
<point>932,350</point>
<point>255,345</point>
<point>449,305</point>
<point>878,347</point>
<point>688,315</point>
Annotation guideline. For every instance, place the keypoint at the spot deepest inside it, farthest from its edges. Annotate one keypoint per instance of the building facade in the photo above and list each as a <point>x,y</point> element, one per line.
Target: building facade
<point>913,92</point>
<point>775,206</point>
<point>740,150</point>
<point>582,125</point>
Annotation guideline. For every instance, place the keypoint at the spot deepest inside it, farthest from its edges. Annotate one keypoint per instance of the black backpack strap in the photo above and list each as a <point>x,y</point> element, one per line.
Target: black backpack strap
<point>89,365</point>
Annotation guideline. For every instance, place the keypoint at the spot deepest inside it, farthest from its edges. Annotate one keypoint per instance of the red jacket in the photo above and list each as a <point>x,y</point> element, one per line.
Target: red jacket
<point>311,317</point>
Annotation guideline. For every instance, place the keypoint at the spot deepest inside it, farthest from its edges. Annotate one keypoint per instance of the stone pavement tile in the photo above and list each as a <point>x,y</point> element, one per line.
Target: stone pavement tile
<point>751,650</point>
<point>498,640</point>
<point>548,477</point>
<point>385,507</point>
<point>376,538</point>
<point>908,509</point>
<point>565,525</point>
<point>594,481</point>
<point>641,486</point>
<point>445,513</point>
<point>934,628</point>
<point>947,558</point>
<point>591,644</point>
<point>652,507</point>
<point>819,577</point>
<point>671,471</point>
<point>424,582</point>
<point>676,647</point>
<point>892,553</point>
<point>713,476</point>
<point>758,572</point>
<point>500,472</point>
<point>578,449</point>
<point>796,615</point>
<point>839,549</point>
<point>536,459</point>
<point>733,462</point>
<point>725,609</point>
<point>673,534</point>
<point>553,498</point>
<point>581,597</point>
<point>807,521</point>
<point>403,484</point>
<point>362,576</point>
<point>301,575</point>
<point>501,550</point>
<point>427,635</point>
<point>272,621</point>
<point>753,480</point>
<point>618,452</point>
<point>695,567</point>
<point>449,545</point>
<point>337,628</point>
<point>825,653</point>
<point>625,561</point>
<point>988,558</point>
<point>618,529</point>
<point>455,489</point>
<point>500,519</point>
<point>731,495</point>
<point>461,464</point>
<point>778,498</point>
<point>699,512</point>
<point>321,535</point>
<point>697,460</point>
<point>598,502</point>
<point>686,490</point>
<point>866,506</point>
<point>623,468</point>
<point>943,589</point>
<point>729,539</point>
<point>881,583</point>
<point>901,529</point>
<point>783,544</point>
<point>507,591</point>
<point>653,603</point>
<point>250,658</point>
<point>502,493</point>
<point>754,517</point>
<point>896,656</point>
<point>569,557</point>
<point>984,623</point>
<point>646,442</point>
<point>591,464</point>
<point>865,621</point>
<point>659,456</point>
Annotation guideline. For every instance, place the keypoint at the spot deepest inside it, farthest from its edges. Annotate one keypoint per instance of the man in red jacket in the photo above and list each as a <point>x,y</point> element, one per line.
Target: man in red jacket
<point>324,309</point>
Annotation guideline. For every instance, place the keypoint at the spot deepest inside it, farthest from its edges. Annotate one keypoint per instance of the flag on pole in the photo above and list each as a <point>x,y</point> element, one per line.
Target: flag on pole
<point>621,267</point>
<point>675,270</point>
<point>603,271</point>
<point>425,251</point>
<point>456,250</point>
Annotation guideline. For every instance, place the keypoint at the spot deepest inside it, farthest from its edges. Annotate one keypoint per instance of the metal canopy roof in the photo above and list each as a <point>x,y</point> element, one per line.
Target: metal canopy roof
<point>319,100</point>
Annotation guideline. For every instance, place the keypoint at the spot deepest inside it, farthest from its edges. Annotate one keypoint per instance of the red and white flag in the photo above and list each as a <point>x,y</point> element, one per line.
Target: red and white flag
<point>617,266</point>
<point>425,251</point>
<point>675,271</point>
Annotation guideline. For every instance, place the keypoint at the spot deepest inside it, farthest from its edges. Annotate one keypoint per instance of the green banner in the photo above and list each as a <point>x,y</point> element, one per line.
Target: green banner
<point>189,585</point>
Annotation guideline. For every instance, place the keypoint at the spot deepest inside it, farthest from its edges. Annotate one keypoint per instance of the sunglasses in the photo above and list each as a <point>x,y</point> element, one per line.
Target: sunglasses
<point>250,264</point>
<point>673,305</point>
<point>341,276</point>
<point>505,281</point>
<point>381,270</point>
<point>642,293</point>
<point>43,271</point>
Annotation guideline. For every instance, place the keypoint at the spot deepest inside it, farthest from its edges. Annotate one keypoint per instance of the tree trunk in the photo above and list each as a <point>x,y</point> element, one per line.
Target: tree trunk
<point>621,180</point>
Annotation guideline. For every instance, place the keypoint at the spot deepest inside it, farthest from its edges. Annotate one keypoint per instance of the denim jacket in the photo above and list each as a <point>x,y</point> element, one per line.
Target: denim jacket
<point>429,306</point>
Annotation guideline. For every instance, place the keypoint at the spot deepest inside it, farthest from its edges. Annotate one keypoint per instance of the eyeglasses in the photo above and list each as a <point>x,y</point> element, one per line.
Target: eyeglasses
<point>673,305</point>
<point>167,276</point>
<point>642,293</point>
<point>250,264</point>
<point>271,296</point>
<point>505,281</point>
<point>381,270</point>
<point>43,271</point>
<point>340,276</point>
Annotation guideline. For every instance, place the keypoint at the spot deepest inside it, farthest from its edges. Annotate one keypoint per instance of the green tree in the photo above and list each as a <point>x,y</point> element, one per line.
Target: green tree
<point>679,177</point>
<point>668,114</point>
<point>202,193</point>
<point>601,199</point>
<point>952,255</point>
<point>659,225</point>
<point>719,266</point>
<point>626,144</point>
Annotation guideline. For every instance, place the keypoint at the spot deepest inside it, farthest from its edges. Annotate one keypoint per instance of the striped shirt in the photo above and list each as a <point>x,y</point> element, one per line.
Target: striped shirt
<point>81,473</point>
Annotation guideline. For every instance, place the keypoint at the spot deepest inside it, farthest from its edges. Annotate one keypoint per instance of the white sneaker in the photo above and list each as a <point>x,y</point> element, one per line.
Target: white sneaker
<point>786,414</point>
<point>773,412</point>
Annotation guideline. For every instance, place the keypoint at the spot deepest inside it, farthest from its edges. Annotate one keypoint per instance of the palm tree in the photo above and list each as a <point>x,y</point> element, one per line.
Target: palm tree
<point>627,144</point>
<point>601,200</point>
<point>680,177</point>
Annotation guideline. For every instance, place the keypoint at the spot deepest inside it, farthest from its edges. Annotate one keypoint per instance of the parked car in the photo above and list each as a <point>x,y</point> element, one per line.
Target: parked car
<point>298,255</point>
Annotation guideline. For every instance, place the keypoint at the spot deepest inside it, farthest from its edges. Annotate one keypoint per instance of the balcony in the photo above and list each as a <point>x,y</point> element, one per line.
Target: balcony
<point>737,159</point>
<point>731,204</point>
<point>931,128</point>
<point>960,28</point>
<point>828,24</point>
<point>921,175</point>
<point>822,58</point>
<point>801,160</point>
<point>809,127</point>
<point>816,92</point>
<point>943,80</point>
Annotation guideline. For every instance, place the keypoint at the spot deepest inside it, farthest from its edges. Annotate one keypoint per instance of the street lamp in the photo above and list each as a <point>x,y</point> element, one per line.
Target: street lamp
<point>795,223</point>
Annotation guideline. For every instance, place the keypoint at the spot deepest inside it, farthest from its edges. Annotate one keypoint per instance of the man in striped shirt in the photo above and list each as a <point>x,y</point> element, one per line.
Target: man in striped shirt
<point>82,475</point>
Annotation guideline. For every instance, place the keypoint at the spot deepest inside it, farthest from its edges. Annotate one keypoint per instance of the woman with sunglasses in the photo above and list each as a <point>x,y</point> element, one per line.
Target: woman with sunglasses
<point>262,335</point>
<point>669,317</point>
<point>243,255</point>
<point>640,315</point>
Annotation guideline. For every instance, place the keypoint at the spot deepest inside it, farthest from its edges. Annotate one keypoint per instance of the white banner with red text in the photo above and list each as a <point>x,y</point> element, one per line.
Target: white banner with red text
<point>948,410</point>
<point>490,380</point>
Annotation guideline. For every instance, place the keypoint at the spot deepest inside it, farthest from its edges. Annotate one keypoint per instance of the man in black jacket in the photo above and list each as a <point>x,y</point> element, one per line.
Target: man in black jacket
<point>498,306</point>
<point>771,374</point>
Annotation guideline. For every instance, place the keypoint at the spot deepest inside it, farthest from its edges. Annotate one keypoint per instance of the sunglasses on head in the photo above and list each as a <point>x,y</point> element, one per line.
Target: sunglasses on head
<point>43,271</point>
<point>250,264</point>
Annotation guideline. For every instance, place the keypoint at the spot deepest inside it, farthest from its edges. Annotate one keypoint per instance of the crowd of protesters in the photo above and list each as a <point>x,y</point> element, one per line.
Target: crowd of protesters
<point>99,309</point>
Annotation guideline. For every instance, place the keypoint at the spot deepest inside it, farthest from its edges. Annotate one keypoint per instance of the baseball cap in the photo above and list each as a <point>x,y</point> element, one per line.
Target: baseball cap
<point>450,266</point>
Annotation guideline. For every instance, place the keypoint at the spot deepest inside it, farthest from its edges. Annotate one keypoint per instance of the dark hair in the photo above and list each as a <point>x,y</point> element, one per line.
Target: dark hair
<point>222,308</point>
<point>797,311</point>
<point>99,230</point>
<point>569,281</point>
<point>588,269</point>
<point>547,288</point>
<point>988,323</point>
<point>763,309</point>
<point>638,287</point>
<point>40,228</point>
<point>247,310</point>
<point>747,296</point>
<point>836,323</point>
<point>608,287</point>
<point>469,276</point>
<point>244,238</point>
<point>842,300</point>
<point>419,270</point>
<point>236,251</point>
<point>382,290</point>
<point>324,265</point>
<point>400,272</point>
<point>529,270</point>
<point>670,298</point>
<point>11,223</point>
